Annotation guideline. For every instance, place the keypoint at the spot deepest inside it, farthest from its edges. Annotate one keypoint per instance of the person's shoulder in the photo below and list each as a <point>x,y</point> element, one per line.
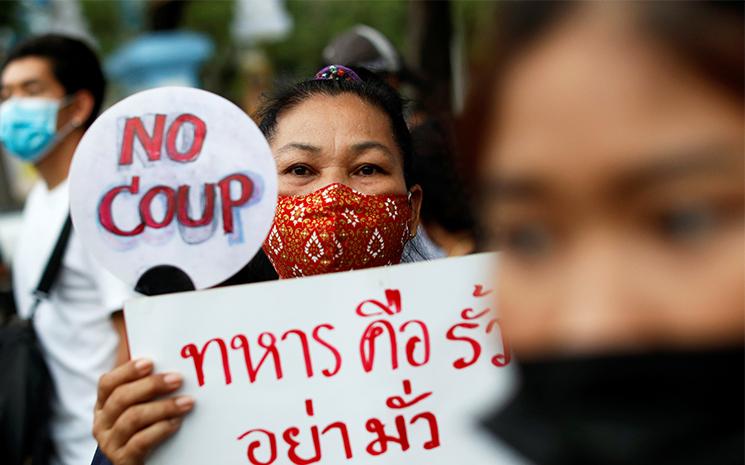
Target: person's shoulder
<point>41,198</point>
<point>35,195</point>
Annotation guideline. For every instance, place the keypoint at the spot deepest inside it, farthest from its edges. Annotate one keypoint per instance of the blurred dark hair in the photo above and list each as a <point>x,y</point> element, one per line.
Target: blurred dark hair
<point>371,89</point>
<point>74,65</point>
<point>707,36</point>
<point>436,170</point>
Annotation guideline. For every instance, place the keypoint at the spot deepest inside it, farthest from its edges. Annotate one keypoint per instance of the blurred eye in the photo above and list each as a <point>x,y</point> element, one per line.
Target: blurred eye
<point>686,224</point>
<point>369,170</point>
<point>530,240</point>
<point>34,88</point>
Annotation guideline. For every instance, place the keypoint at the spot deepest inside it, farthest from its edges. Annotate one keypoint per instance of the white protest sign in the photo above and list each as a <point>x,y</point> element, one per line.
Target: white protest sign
<point>393,366</point>
<point>173,176</point>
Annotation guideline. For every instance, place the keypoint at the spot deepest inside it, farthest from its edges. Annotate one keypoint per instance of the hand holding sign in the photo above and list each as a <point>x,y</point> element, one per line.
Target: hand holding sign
<point>173,177</point>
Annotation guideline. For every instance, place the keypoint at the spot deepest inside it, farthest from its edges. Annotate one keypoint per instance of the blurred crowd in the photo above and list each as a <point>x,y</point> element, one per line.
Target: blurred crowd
<point>599,147</point>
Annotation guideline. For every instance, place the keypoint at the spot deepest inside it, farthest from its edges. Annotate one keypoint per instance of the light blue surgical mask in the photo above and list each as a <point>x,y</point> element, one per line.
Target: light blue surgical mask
<point>28,126</point>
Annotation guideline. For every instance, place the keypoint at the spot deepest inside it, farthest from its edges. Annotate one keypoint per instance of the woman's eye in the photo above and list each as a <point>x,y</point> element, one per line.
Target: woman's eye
<point>686,224</point>
<point>298,170</point>
<point>529,240</point>
<point>368,170</point>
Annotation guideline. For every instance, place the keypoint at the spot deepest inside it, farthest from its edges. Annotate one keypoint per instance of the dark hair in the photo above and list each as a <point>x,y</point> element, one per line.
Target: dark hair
<point>707,36</point>
<point>371,89</point>
<point>437,172</point>
<point>74,65</point>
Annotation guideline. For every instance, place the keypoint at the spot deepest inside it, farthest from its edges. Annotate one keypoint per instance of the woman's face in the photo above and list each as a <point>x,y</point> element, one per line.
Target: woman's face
<point>340,139</point>
<point>615,190</point>
<point>337,139</point>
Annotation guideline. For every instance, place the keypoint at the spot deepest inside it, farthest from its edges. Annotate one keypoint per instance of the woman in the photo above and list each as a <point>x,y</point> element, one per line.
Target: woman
<point>343,156</point>
<point>612,153</point>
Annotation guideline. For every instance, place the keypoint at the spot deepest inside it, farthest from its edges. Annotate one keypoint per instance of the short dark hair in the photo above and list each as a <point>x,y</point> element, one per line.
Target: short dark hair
<point>74,64</point>
<point>370,89</point>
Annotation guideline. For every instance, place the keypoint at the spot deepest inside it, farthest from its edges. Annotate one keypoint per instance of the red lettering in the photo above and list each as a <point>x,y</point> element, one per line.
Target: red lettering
<point>292,432</point>
<point>200,130</point>
<point>253,445</point>
<point>191,351</point>
<point>304,346</point>
<point>337,356</point>
<point>208,202</point>
<point>151,143</point>
<point>381,437</point>
<point>176,205</point>
<point>375,426</point>
<point>104,209</point>
<point>290,436</point>
<point>429,417</point>
<point>367,344</point>
<point>391,308</point>
<point>240,341</point>
<point>475,346</point>
<point>228,203</point>
<point>503,359</point>
<point>146,207</point>
<point>479,291</point>
<point>470,322</point>
<point>342,428</point>
<point>380,444</point>
<point>468,314</point>
<point>393,305</point>
<point>414,341</point>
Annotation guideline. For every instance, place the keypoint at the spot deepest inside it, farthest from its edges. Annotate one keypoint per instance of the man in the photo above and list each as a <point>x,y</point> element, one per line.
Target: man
<point>51,88</point>
<point>368,48</point>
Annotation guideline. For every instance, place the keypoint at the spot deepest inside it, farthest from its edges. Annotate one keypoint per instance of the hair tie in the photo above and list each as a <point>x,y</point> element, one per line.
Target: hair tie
<point>336,73</point>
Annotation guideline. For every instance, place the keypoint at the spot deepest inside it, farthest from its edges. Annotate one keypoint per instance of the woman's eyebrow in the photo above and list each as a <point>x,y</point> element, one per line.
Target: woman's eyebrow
<point>361,147</point>
<point>299,146</point>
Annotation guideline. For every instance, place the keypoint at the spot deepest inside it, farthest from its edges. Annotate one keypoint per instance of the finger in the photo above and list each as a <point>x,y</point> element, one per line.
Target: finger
<point>130,371</point>
<point>142,416</point>
<point>143,442</point>
<point>136,392</point>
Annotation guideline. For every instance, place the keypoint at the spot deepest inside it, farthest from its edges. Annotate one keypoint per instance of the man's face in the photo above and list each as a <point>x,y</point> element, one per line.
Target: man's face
<point>32,77</point>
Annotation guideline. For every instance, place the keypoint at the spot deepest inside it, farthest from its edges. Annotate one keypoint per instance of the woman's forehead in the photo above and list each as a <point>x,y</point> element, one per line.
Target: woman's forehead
<point>331,119</point>
<point>330,127</point>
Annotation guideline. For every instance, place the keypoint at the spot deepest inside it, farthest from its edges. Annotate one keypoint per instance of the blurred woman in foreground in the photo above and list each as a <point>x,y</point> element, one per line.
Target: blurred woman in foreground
<point>612,155</point>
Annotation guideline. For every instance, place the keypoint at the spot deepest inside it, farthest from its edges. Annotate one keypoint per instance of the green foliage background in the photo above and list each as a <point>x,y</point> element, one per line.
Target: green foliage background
<point>315,22</point>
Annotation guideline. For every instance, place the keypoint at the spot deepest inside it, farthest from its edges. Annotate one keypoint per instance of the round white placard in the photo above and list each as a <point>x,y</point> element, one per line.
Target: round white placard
<point>173,176</point>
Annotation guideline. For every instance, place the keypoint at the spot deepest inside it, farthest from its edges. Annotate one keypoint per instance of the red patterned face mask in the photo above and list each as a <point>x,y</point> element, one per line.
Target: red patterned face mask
<point>337,229</point>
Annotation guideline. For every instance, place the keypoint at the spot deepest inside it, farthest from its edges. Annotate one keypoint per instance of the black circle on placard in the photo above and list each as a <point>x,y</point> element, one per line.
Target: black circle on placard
<point>164,279</point>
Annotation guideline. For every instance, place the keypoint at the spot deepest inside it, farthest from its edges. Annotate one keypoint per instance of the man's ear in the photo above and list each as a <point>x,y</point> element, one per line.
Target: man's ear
<point>81,107</point>
<point>415,201</point>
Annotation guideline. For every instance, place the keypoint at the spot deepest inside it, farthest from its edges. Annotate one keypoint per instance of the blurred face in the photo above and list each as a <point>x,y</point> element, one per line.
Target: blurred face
<point>32,77</point>
<point>339,139</point>
<point>615,193</point>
